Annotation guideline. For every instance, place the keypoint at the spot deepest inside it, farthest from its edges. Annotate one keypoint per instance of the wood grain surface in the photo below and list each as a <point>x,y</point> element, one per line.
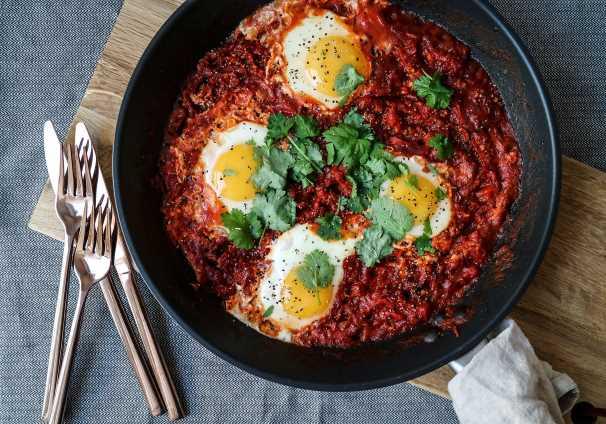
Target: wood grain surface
<point>564,310</point>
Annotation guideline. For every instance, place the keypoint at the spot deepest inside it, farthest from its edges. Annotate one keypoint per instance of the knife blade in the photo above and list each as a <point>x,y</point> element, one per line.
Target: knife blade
<point>124,268</point>
<point>52,152</point>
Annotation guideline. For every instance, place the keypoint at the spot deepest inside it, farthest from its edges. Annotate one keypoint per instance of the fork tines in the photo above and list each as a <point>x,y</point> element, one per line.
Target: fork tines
<point>97,229</point>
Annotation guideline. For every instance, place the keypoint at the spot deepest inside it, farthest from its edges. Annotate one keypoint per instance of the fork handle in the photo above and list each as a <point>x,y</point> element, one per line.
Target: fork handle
<point>117,313</point>
<point>166,385</point>
<point>58,408</point>
<point>56,350</point>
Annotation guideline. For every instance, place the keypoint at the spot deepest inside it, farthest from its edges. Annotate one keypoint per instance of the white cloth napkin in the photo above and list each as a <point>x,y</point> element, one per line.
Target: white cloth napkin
<point>505,382</point>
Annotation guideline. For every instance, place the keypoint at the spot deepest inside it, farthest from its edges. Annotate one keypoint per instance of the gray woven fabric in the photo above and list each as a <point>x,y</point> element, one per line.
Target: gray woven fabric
<point>48,50</point>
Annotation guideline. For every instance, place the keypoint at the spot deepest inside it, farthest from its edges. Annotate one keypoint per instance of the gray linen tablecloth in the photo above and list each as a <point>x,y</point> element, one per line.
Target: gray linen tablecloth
<point>48,50</point>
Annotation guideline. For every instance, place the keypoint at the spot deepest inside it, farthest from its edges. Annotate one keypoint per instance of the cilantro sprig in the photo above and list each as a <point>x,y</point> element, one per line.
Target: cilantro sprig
<point>329,227</point>
<point>443,146</point>
<point>423,243</point>
<point>272,207</point>
<point>352,144</point>
<point>375,245</point>
<point>278,127</point>
<point>299,161</point>
<point>347,80</point>
<point>390,215</point>
<point>430,88</point>
<point>316,271</point>
<point>273,170</point>
<point>290,154</point>
<point>244,229</point>
<point>390,222</point>
<point>276,209</point>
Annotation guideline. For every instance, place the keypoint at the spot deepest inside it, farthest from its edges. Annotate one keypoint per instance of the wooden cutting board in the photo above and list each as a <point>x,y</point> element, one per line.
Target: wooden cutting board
<point>564,310</point>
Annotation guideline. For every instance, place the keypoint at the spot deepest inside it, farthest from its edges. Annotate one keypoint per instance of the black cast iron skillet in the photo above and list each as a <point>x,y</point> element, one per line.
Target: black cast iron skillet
<point>198,26</point>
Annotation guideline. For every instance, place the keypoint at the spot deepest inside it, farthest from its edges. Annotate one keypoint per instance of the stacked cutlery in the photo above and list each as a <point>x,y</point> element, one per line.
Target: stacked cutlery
<point>77,167</point>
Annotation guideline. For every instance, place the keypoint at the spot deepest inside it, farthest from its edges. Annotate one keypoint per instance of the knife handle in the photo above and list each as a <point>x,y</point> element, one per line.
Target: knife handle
<point>117,313</point>
<point>166,385</point>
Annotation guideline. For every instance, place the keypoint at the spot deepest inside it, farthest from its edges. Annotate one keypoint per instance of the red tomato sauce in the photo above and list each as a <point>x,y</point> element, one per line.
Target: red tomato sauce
<point>403,291</point>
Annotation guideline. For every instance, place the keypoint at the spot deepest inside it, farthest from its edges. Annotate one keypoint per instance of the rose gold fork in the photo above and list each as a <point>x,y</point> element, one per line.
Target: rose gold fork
<point>92,262</point>
<point>69,203</point>
<point>74,190</point>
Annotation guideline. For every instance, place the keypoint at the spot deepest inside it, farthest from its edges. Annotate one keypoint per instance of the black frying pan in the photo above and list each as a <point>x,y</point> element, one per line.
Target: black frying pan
<point>198,26</point>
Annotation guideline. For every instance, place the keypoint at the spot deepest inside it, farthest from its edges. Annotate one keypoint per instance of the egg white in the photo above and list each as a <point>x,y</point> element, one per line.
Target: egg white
<point>287,252</point>
<point>295,47</point>
<point>219,144</point>
<point>441,218</point>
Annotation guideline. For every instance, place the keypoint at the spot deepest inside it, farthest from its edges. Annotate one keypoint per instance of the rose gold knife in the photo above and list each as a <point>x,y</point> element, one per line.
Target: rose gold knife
<point>124,268</point>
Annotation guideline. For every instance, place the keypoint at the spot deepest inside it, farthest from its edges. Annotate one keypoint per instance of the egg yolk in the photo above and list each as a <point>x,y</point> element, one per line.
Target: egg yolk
<point>327,56</point>
<point>299,301</point>
<point>233,172</point>
<point>421,201</point>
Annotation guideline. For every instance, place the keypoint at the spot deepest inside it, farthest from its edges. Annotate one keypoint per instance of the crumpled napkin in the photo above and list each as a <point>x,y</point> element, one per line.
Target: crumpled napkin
<point>505,382</point>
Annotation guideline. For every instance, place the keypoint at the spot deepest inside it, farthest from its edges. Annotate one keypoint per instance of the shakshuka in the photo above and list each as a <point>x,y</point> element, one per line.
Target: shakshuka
<point>338,172</point>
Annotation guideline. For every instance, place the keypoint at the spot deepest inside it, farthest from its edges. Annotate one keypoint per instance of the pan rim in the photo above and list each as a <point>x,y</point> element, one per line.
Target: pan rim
<point>555,166</point>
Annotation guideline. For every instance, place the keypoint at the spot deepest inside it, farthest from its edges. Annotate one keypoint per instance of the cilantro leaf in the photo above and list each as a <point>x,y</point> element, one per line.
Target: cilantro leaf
<point>278,127</point>
<point>305,126</point>
<point>301,171</point>
<point>345,146</point>
<point>340,139</point>
<point>347,80</point>
<point>413,182</point>
<point>352,144</point>
<point>304,149</point>
<point>423,243</point>
<point>268,312</point>
<point>276,209</point>
<point>433,169</point>
<point>315,154</point>
<point>266,177</point>
<point>391,216</point>
<point>256,225</point>
<point>440,194</point>
<point>376,166</point>
<point>316,271</point>
<point>436,95</point>
<point>354,119</point>
<point>229,172</point>
<point>330,227</point>
<point>390,222</point>
<point>239,230</point>
<point>367,188</point>
<point>403,169</point>
<point>355,204</point>
<point>303,156</point>
<point>443,146</point>
<point>308,159</point>
<point>274,167</point>
<point>375,245</point>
